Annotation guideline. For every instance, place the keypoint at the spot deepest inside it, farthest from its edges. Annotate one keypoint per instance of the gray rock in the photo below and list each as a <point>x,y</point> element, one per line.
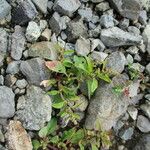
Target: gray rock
<point>143,17</point>
<point>132,112</point>
<point>116,62</point>
<point>146,109</point>
<point>129,59</point>
<point>3,41</point>
<point>119,124</point>
<point>137,57</point>
<point>75,29</point>
<point>138,67</point>
<point>50,6</point>
<point>2,148</point>
<point>35,71</point>
<point>126,134</point>
<point>82,46</point>
<point>96,1</point>
<point>145,4</point>
<point>33,31</point>
<point>21,83</point>
<point>106,21</point>
<point>47,50</point>
<point>101,7</point>
<point>133,50</point>
<point>143,143</point>
<point>66,7</point>
<point>17,43</point>
<point>147,96</point>
<point>98,56</point>
<point>106,107</point>
<point>10,80</point>
<point>134,30</point>
<point>148,68</point>
<point>7,107</point>
<point>42,6</point>
<point>124,23</point>
<point>5,9</point>
<point>146,38</point>
<point>43,25</point>
<point>24,12</point>
<point>58,23</point>
<point>127,8</point>
<point>46,35</point>
<point>1,80</point>
<point>114,37</point>
<point>1,60</point>
<point>13,67</point>
<point>143,124</point>
<point>86,13</point>
<point>97,43</point>
<point>34,109</point>
<point>133,88</point>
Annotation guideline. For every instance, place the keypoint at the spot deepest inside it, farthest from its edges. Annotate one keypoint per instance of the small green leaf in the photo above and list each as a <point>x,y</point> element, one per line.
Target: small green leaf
<point>94,147</point>
<point>43,132</point>
<point>68,52</point>
<point>58,105</point>
<point>81,146</point>
<point>55,139</point>
<point>89,64</point>
<point>53,92</point>
<point>67,62</point>
<point>104,76</point>
<point>36,144</point>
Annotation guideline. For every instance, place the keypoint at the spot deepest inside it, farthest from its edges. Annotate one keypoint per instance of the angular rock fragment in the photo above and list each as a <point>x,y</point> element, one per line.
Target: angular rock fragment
<point>42,6</point>
<point>106,107</point>
<point>17,137</point>
<point>34,70</point>
<point>17,43</point>
<point>66,7</point>
<point>127,8</point>
<point>34,109</point>
<point>114,37</point>
<point>47,50</point>
<point>24,12</point>
<point>7,103</point>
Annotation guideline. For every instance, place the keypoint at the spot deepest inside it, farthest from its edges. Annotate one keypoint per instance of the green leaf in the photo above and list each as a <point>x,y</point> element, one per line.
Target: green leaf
<point>50,128</point>
<point>58,102</point>
<point>79,135</point>
<point>36,144</point>
<point>94,147</point>
<point>89,64</point>
<point>55,139</point>
<point>81,146</point>
<point>67,62</point>
<point>104,76</point>
<point>68,52</point>
<point>56,66</point>
<point>53,92</point>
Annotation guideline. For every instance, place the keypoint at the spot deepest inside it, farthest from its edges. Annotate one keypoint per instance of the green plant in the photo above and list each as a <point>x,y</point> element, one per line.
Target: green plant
<point>71,138</point>
<point>68,74</point>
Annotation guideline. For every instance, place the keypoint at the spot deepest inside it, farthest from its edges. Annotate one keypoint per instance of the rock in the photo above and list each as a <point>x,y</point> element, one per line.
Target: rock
<point>81,104</point>
<point>134,30</point>
<point>66,7</point>
<point>1,80</point>
<point>132,112</point>
<point>7,107</point>
<point>41,6</point>
<point>17,137</point>
<point>2,138</point>
<point>58,23</point>
<point>50,5</point>
<point>1,60</point>
<point>75,29</point>
<point>3,40</point>
<point>126,134</point>
<point>145,4</point>
<point>148,68</point>
<point>21,83</point>
<point>96,1</point>
<point>2,148</point>
<point>133,50</point>
<point>114,37</point>
<point>96,43</point>
<point>146,38</point>
<point>143,124</point>
<point>46,35</point>
<point>143,17</point>
<point>119,124</point>
<point>143,143</point>
<point>17,43</point>
<point>128,9</point>
<point>47,50</point>
<point>146,109</point>
<point>101,7</point>
<point>82,46</point>
<point>98,56</point>
<point>133,88</point>
<point>34,70</point>
<point>107,21</point>
<point>43,25</point>
<point>124,23</point>
<point>33,31</point>
<point>106,107</point>
<point>116,62</point>
<point>129,59</point>
<point>34,109</point>
<point>10,80</point>
<point>5,9</point>
<point>24,12</point>
<point>13,67</point>
<point>138,67</point>
<point>86,13</point>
